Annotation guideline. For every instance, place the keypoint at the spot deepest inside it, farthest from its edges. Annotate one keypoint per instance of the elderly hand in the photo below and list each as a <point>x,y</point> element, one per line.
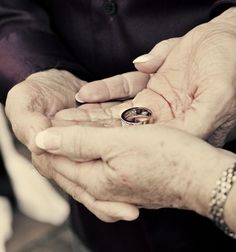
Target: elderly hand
<point>32,104</point>
<point>148,166</point>
<point>193,82</point>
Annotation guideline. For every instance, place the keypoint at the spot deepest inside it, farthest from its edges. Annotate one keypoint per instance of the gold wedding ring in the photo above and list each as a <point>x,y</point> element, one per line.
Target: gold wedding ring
<point>136,116</point>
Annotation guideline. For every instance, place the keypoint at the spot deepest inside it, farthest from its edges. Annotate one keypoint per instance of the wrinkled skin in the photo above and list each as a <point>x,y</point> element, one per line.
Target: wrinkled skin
<point>192,84</point>
<point>191,87</point>
<point>147,166</point>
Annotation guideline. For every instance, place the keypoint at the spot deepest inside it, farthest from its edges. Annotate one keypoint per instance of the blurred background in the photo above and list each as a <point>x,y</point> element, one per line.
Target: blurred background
<point>33,212</point>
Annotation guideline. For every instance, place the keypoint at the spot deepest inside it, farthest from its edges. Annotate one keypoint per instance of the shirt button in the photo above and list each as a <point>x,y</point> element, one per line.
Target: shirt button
<point>110,7</point>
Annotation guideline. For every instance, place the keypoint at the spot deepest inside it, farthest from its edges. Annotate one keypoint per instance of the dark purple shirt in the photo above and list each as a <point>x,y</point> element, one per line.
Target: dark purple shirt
<point>95,39</point>
<point>92,39</point>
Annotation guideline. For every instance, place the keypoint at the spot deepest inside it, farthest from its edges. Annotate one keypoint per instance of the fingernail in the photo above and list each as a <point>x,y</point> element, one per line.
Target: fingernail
<point>48,141</point>
<point>143,58</point>
<point>129,214</point>
<point>78,99</point>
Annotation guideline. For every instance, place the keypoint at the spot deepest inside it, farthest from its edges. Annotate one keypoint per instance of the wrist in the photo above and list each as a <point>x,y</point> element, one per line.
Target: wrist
<point>204,179</point>
<point>230,209</point>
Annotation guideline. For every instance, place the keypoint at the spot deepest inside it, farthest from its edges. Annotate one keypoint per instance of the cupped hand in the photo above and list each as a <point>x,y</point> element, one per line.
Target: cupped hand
<point>32,103</point>
<point>106,113</point>
<point>108,211</point>
<point>148,166</point>
<point>193,83</point>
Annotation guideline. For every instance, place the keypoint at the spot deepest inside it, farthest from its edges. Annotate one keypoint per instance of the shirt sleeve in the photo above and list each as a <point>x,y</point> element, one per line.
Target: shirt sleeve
<point>28,45</point>
<point>220,6</point>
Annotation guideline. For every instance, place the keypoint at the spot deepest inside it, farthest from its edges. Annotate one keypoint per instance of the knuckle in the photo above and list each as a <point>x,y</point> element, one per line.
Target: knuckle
<point>164,44</point>
<point>107,89</point>
<point>126,85</point>
<point>77,146</point>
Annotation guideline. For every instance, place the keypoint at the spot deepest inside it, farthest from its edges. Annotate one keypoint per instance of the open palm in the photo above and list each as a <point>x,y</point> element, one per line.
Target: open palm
<point>192,84</point>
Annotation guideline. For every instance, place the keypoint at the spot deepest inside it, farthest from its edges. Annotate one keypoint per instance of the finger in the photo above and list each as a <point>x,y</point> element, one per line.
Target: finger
<point>102,105</point>
<point>26,122</point>
<point>151,62</point>
<point>76,142</point>
<point>101,123</point>
<point>120,86</point>
<point>63,123</point>
<point>80,115</point>
<point>93,114</point>
<point>96,178</point>
<point>106,210</point>
<point>89,175</point>
<point>161,109</point>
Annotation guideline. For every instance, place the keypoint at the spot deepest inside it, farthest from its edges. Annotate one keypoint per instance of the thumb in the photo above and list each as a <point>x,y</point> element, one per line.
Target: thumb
<point>151,62</point>
<point>76,142</point>
<point>121,86</point>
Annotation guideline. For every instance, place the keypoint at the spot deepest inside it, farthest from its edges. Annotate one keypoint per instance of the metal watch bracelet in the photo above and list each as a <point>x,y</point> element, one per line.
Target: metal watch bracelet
<point>219,198</point>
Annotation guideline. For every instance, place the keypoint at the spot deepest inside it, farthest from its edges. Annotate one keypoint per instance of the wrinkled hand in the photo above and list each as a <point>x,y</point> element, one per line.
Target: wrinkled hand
<point>148,166</point>
<point>193,85</point>
<point>32,103</point>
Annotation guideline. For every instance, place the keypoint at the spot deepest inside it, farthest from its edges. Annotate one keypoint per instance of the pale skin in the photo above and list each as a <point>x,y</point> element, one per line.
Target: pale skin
<point>148,166</point>
<point>32,104</point>
<point>193,85</point>
<point>191,75</point>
